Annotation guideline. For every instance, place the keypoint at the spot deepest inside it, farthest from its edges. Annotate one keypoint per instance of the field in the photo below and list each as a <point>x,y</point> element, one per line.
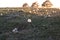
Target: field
<point>45,25</point>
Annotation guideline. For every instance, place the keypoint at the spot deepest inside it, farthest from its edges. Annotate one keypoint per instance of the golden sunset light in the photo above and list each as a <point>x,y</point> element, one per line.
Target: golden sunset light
<point>19,3</point>
<point>29,19</point>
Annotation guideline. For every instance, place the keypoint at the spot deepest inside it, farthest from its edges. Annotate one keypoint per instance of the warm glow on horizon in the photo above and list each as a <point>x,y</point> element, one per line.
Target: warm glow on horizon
<point>19,3</point>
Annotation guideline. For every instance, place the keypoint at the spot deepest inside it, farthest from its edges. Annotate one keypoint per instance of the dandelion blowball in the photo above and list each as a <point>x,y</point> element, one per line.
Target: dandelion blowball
<point>29,20</point>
